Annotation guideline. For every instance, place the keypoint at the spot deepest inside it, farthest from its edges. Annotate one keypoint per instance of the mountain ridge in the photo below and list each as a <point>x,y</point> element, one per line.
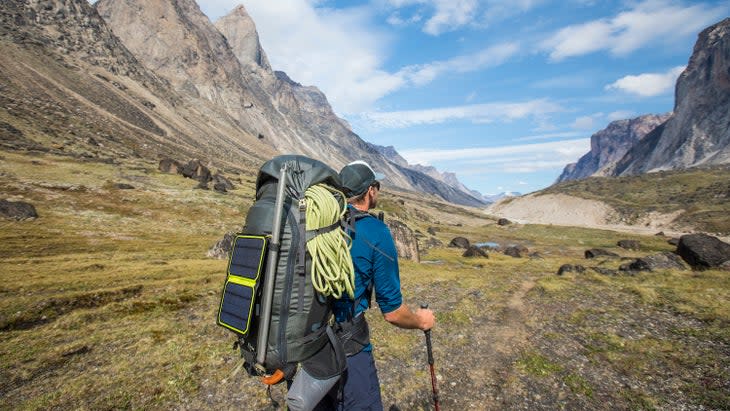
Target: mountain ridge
<point>224,62</point>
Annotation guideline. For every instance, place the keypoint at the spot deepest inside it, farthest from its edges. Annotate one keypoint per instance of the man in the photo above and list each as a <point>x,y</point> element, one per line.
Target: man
<point>376,270</point>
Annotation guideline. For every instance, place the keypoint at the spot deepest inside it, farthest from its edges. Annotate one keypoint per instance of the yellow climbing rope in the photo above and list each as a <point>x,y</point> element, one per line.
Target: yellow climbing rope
<point>332,269</point>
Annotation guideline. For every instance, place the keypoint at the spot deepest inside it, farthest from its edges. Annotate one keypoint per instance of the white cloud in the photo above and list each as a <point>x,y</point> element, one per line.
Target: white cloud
<point>587,122</point>
<point>450,14</point>
<point>648,84</point>
<point>621,115</point>
<point>477,113</point>
<point>549,136</point>
<point>517,158</point>
<point>343,52</point>
<point>645,23</point>
<point>488,57</point>
<point>340,51</point>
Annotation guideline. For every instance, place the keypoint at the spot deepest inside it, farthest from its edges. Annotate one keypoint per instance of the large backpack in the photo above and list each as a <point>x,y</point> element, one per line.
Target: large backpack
<point>299,332</point>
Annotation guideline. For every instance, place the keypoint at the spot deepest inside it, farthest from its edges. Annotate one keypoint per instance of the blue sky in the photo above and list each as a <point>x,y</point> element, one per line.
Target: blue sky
<point>503,93</point>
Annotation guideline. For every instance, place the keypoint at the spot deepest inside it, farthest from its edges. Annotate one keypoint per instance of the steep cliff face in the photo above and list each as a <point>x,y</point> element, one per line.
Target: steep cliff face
<point>239,28</point>
<point>698,132</point>
<point>609,145</point>
<point>70,86</point>
<point>157,78</point>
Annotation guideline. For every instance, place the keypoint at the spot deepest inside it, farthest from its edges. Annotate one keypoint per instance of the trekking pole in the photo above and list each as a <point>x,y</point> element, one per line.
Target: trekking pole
<point>262,340</point>
<point>430,364</point>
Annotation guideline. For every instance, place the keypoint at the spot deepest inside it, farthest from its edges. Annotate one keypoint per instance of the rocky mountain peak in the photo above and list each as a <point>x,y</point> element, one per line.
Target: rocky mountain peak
<point>240,30</point>
<point>609,145</point>
<point>698,133</point>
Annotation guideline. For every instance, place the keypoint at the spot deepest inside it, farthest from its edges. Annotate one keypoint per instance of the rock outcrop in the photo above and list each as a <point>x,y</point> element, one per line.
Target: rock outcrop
<point>609,145</point>
<point>405,240</point>
<point>224,66</point>
<point>698,131</point>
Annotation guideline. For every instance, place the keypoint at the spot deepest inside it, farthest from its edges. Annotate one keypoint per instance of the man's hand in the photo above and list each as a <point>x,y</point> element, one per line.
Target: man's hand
<point>427,318</point>
<point>403,317</point>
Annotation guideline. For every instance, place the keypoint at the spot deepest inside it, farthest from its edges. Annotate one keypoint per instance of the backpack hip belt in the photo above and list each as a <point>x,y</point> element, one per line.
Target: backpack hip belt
<point>354,334</point>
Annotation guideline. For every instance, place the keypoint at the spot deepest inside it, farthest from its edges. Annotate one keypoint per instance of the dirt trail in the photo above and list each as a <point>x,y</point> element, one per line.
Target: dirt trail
<point>497,341</point>
<point>512,331</point>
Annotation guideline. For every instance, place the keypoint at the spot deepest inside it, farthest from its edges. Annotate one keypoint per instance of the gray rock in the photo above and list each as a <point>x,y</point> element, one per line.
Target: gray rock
<point>474,251</point>
<point>222,248</point>
<point>220,179</point>
<point>405,240</point>
<point>197,171</point>
<point>17,210</point>
<point>599,252</point>
<point>660,261</point>
<point>503,221</point>
<point>460,242</point>
<point>702,251</point>
<point>515,251</point>
<point>168,165</point>
<point>629,244</point>
<point>570,268</point>
<point>123,186</point>
<point>433,242</point>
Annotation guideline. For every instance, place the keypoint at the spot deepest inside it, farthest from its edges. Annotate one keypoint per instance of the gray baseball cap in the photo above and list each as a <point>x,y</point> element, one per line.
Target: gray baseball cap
<point>357,177</point>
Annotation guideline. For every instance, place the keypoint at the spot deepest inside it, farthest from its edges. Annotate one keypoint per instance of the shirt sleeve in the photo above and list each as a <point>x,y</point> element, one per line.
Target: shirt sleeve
<point>385,271</point>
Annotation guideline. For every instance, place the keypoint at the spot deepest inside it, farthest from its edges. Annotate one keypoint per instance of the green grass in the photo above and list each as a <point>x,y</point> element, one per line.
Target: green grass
<point>107,301</point>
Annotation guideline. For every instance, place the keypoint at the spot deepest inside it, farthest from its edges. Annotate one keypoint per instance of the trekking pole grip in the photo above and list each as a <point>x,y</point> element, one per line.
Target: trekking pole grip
<point>428,340</point>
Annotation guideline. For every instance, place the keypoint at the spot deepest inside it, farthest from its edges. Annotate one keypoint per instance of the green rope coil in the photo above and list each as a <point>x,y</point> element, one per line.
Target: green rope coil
<point>332,269</point>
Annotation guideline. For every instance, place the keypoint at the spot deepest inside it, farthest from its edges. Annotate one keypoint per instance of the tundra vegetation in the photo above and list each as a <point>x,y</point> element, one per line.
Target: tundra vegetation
<point>108,301</point>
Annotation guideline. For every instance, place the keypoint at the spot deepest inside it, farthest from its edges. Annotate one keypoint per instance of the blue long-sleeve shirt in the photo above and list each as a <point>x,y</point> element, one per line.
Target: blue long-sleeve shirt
<point>376,261</point>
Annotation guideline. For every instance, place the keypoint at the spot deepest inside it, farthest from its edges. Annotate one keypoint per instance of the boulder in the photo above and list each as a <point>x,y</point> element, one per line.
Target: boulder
<point>405,240</point>
<point>222,248</point>
<point>197,171</point>
<point>673,241</point>
<point>474,251</point>
<point>220,188</point>
<point>570,268</point>
<point>503,221</point>
<point>516,251</point>
<point>17,210</point>
<point>168,165</point>
<point>629,244</point>
<point>219,179</point>
<point>431,230</point>
<point>123,186</point>
<point>665,260</point>
<point>459,242</point>
<point>599,252</point>
<point>702,251</point>
<point>433,242</point>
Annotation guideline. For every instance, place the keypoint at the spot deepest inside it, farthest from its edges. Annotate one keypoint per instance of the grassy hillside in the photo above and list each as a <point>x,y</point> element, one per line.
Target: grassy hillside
<point>702,195</point>
<point>108,302</point>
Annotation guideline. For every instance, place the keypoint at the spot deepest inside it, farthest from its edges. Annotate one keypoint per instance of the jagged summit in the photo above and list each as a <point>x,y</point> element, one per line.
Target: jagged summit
<point>609,145</point>
<point>696,133</point>
<point>240,29</point>
<point>151,78</point>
